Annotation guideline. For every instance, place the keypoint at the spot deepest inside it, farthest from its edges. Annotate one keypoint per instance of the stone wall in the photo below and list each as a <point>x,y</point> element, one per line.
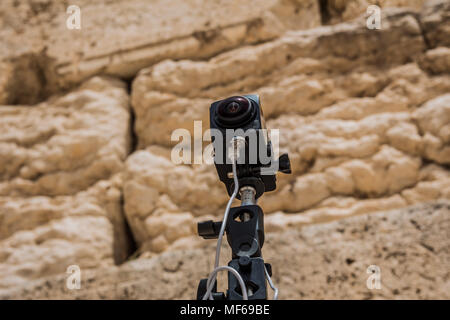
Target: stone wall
<point>86,118</point>
<point>334,11</point>
<point>119,38</point>
<point>60,184</point>
<point>323,261</point>
<point>364,119</point>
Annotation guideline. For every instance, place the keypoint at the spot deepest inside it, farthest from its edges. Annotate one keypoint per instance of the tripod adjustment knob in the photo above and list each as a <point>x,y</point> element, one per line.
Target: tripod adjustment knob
<point>284,164</point>
<point>245,263</point>
<point>209,229</point>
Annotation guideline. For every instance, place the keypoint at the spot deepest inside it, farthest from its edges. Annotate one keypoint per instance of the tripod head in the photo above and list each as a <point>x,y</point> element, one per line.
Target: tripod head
<point>248,166</point>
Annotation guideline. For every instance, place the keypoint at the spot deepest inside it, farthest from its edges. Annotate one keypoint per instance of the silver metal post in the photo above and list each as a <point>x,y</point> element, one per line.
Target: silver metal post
<point>247,196</point>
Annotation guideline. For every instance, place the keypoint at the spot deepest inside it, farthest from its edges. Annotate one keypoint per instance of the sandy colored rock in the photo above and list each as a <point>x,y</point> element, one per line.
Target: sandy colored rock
<point>42,236</point>
<point>86,180</point>
<point>60,183</point>
<point>161,215</point>
<point>334,11</point>
<point>435,22</point>
<point>437,60</point>
<point>434,123</point>
<point>162,199</point>
<point>292,74</point>
<point>360,126</point>
<point>66,144</point>
<point>323,261</point>
<point>121,37</point>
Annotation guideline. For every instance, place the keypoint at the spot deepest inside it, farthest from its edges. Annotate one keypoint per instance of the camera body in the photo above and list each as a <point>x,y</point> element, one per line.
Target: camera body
<point>242,117</point>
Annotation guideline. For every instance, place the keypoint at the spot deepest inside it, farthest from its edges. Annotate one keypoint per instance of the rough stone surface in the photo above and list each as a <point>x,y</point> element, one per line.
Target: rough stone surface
<point>86,118</point>
<point>366,128</point>
<point>302,72</point>
<point>66,144</point>
<point>435,22</point>
<point>437,60</point>
<point>120,37</point>
<point>325,261</point>
<point>334,11</point>
<point>60,184</point>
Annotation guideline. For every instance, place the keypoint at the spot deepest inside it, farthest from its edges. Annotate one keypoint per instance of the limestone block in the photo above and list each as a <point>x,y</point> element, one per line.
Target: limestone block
<point>66,144</point>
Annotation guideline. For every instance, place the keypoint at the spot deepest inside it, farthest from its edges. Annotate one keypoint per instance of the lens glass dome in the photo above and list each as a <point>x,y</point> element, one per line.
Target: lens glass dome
<point>234,111</point>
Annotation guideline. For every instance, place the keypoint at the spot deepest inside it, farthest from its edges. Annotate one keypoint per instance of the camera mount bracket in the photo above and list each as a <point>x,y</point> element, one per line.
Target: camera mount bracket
<point>245,235</point>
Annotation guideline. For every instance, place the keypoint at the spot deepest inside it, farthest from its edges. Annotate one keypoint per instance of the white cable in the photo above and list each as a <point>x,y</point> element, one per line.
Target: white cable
<point>275,289</point>
<point>236,274</point>
<point>213,276</point>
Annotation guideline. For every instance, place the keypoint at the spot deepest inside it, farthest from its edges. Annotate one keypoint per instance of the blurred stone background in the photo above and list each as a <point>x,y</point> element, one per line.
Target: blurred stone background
<point>86,118</point>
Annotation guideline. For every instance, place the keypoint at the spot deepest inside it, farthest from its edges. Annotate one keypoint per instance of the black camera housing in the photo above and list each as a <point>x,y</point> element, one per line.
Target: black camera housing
<point>245,113</point>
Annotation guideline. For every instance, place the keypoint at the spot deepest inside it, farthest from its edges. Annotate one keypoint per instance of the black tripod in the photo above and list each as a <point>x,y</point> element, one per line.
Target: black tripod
<point>244,225</point>
<point>245,235</point>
